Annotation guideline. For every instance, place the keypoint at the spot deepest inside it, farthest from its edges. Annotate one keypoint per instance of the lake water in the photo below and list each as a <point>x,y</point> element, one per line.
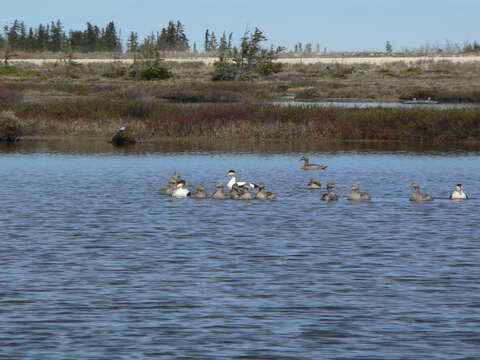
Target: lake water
<point>377,104</point>
<point>96,264</point>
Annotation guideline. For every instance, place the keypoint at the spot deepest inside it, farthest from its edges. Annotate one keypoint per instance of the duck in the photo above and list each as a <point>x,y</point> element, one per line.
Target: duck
<point>417,196</point>
<point>356,195</point>
<point>308,166</point>
<point>181,191</point>
<point>220,194</point>
<point>172,184</point>
<point>200,193</point>
<point>458,194</point>
<point>330,195</point>
<point>314,184</point>
<point>235,192</point>
<point>240,193</point>
<point>233,180</point>
<point>171,187</point>
<point>264,195</point>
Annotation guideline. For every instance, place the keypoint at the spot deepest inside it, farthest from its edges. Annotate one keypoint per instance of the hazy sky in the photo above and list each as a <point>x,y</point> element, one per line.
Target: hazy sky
<point>335,24</point>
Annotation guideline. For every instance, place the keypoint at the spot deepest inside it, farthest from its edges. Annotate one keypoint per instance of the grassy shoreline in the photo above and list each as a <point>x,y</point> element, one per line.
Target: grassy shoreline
<point>150,120</point>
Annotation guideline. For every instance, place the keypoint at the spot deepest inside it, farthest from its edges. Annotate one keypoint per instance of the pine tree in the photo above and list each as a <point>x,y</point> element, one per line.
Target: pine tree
<point>206,42</point>
<point>132,42</point>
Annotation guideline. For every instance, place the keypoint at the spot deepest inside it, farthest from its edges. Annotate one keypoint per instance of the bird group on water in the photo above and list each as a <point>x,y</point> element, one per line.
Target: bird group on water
<point>242,190</point>
<point>236,190</point>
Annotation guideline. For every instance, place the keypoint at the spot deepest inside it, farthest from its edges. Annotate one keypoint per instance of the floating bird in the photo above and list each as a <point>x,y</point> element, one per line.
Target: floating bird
<point>233,180</point>
<point>264,195</point>
<point>417,196</point>
<point>356,195</point>
<point>200,193</point>
<point>171,187</point>
<point>314,184</point>
<point>330,195</point>
<point>172,184</point>
<point>308,166</point>
<point>220,193</point>
<point>181,191</point>
<point>458,194</point>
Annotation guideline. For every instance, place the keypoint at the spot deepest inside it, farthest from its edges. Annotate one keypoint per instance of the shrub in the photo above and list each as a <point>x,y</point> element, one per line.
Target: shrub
<point>10,127</point>
<point>155,73</point>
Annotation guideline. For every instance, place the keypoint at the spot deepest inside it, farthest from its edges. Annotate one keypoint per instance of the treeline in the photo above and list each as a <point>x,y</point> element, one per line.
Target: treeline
<point>53,37</point>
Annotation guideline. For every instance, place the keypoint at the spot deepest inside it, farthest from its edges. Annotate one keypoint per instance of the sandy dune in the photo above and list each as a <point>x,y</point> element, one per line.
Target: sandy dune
<point>306,60</point>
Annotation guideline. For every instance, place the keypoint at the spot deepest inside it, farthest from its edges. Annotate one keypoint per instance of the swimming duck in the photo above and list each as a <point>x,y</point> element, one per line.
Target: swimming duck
<point>181,191</point>
<point>417,196</point>
<point>330,195</point>
<point>171,187</point>
<point>308,166</point>
<point>458,194</point>
<point>233,180</point>
<point>264,195</point>
<point>314,184</point>
<point>220,193</point>
<point>356,195</point>
<point>172,184</point>
<point>200,193</point>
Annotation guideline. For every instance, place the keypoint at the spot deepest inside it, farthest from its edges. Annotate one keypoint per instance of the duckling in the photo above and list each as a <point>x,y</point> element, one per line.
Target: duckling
<point>235,192</point>
<point>314,184</point>
<point>308,166</point>
<point>417,196</point>
<point>458,194</point>
<point>171,187</point>
<point>233,180</point>
<point>172,184</point>
<point>356,195</point>
<point>264,195</point>
<point>330,195</point>
<point>245,194</point>
<point>201,193</point>
<point>220,193</point>
<point>181,191</point>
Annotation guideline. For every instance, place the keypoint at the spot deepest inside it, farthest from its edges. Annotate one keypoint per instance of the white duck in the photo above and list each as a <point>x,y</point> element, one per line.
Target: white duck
<point>181,191</point>
<point>458,194</point>
<point>233,180</point>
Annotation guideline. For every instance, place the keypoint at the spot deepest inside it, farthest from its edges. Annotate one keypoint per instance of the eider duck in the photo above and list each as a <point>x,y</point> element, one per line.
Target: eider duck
<point>233,180</point>
<point>264,195</point>
<point>356,195</point>
<point>308,166</point>
<point>458,194</point>
<point>220,193</point>
<point>314,184</point>
<point>181,191</point>
<point>200,193</point>
<point>330,195</point>
<point>417,196</point>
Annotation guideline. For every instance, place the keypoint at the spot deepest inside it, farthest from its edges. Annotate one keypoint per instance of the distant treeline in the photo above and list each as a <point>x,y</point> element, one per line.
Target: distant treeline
<point>53,37</point>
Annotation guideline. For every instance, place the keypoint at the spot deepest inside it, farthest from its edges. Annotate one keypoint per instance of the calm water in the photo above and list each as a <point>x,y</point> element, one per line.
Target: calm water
<point>375,104</point>
<point>97,265</point>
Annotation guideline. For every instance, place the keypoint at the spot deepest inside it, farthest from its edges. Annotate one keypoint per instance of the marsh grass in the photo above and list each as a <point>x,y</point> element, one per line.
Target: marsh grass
<point>150,119</point>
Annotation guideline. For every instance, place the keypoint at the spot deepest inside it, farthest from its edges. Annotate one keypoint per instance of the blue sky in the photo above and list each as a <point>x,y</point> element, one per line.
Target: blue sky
<point>334,24</point>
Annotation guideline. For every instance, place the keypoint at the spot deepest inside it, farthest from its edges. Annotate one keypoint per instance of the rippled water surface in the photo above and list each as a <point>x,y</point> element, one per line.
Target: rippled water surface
<point>96,264</point>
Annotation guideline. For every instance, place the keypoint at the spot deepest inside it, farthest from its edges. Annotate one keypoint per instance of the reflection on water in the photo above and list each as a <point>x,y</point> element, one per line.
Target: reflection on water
<point>95,146</point>
<point>96,264</point>
<point>374,104</point>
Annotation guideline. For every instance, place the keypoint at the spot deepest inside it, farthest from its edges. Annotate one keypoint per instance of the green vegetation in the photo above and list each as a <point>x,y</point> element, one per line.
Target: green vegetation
<point>247,61</point>
<point>10,127</point>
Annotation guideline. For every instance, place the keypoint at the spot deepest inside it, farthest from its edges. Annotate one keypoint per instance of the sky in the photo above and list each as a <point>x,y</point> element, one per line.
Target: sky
<point>348,25</point>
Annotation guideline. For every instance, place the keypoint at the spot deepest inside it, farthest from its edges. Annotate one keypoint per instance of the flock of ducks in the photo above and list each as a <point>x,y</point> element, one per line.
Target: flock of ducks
<point>242,190</point>
<point>237,190</point>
